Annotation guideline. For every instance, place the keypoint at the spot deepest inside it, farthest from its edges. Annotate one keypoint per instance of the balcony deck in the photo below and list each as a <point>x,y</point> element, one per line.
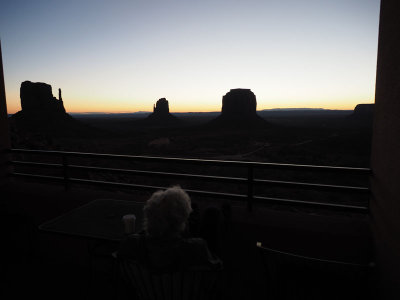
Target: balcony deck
<point>52,266</point>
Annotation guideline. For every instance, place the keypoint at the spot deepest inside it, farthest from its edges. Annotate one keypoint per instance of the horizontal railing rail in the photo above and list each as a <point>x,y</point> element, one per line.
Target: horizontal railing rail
<point>249,180</point>
<point>314,186</point>
<point>305,185</point>
<point>346,170</point>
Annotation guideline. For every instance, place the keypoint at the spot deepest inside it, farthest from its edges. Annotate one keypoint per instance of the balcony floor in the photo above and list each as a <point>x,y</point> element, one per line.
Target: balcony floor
<point>53,266</point>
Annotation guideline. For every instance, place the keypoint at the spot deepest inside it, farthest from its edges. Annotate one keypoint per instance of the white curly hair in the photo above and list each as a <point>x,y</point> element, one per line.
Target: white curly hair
<point>166,212</point>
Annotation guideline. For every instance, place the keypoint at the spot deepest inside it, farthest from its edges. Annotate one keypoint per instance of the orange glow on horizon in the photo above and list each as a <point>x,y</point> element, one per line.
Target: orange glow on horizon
<point>14,106</point>
<point>78,103</point>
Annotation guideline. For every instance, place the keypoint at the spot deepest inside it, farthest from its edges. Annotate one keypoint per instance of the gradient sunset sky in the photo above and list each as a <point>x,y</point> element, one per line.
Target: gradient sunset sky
<point>122,56</point>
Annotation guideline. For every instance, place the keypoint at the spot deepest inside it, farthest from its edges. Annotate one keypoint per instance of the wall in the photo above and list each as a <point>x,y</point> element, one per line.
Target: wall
<point>385,159</point>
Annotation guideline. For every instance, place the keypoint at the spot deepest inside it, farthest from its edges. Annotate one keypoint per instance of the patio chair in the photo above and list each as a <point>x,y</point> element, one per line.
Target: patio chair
<point>292,276</point>
<point>147,284</point>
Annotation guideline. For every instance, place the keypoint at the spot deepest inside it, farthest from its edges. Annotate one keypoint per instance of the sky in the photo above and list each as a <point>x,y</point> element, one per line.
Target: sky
<point>122,56</point>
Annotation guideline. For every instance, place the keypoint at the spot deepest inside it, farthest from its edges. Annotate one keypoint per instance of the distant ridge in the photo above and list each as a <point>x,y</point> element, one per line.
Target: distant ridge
<point>109,113</point>
<point>143,113</point>
<point>289,109</point>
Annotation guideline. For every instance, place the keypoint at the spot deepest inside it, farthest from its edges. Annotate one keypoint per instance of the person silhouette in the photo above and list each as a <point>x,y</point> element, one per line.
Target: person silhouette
<point>162,243</point>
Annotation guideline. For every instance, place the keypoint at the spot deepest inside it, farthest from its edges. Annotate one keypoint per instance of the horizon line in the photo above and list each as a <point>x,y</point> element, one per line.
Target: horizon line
<point>212,111</point>
<point>188,112</point>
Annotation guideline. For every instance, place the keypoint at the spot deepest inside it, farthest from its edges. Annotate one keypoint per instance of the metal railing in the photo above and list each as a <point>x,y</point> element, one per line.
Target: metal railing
<point>250,180</point>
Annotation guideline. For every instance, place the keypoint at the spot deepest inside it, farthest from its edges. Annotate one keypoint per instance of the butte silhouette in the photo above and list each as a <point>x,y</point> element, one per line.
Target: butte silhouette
<point>362,115</point>
<point>363,111</point>
<point>43,113</point>
<point>161,116</point>
<point>239,111</point>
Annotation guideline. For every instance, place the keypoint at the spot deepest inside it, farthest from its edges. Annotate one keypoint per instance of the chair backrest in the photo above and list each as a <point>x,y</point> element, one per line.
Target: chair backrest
<point>292,276</point>
<point>151,284</point>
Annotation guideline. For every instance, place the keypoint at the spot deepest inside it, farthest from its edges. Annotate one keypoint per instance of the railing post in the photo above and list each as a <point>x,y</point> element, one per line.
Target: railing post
<point>65,171</point>
<point>250,192</point>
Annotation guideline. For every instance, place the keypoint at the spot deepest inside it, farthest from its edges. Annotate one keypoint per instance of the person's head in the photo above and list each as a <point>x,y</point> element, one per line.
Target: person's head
<point>166,212</point>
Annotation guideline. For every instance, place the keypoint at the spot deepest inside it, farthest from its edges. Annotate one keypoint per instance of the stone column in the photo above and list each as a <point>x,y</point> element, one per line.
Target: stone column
<point>385,157</point>
<point>4,129</point>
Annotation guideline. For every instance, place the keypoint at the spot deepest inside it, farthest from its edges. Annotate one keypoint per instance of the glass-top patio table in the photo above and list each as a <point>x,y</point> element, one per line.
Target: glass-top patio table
<point>99,220</point>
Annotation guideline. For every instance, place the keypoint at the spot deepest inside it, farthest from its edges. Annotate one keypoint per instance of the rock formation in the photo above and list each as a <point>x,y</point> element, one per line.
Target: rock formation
<point>161,107</point>
<point>161,115</point>
<point>38,97</point>
<point>239,103</point>
<point>43,113</point>
<point>363,111</point>
<point>362,116</point>
<point>239,110</point>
